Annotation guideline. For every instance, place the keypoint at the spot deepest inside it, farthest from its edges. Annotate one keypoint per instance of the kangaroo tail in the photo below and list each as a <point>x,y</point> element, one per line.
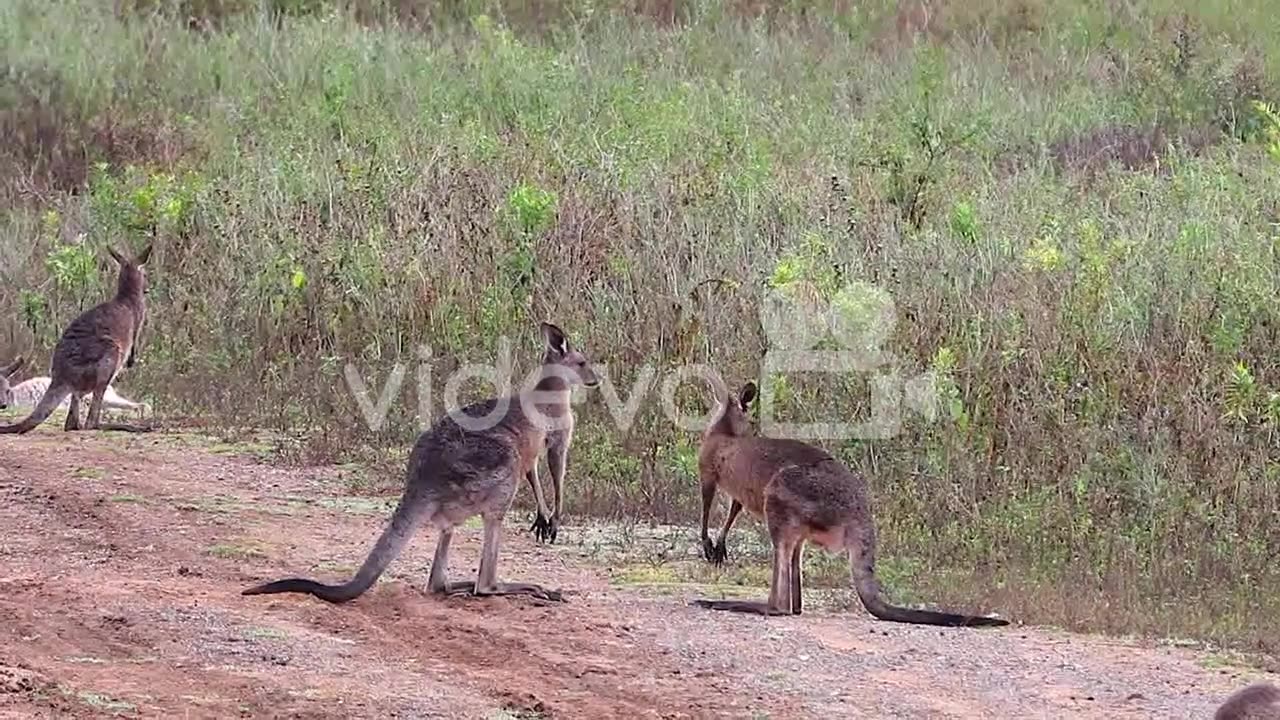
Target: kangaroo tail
<point>392,541</point>
<point>49,402</point>
<point>872,596</point>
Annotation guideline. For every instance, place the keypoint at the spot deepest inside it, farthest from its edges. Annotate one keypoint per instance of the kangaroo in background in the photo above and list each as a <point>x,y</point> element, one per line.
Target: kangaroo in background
<point>1259,701</point>
<point>92,351</point>
<point>27,394</point>
<point>803,494</point>
<point>458,470</point>
<point>6,374</point>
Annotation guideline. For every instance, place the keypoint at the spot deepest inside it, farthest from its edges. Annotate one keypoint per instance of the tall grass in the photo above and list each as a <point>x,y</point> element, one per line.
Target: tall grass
<point>1072,206</point>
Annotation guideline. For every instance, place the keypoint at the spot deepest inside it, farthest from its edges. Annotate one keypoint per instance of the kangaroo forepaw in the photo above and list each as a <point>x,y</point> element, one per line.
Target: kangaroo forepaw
<point>715,553</point>
<point>545,530</point>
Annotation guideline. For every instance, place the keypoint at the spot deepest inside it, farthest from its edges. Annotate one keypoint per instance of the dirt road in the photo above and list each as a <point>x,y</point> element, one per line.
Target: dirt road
<point>122,558</point>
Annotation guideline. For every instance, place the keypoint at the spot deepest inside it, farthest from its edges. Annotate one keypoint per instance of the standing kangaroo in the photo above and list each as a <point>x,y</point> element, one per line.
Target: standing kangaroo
<point>6,374</point>
<point>92,351</point>
<point>470,463</point>
<point>1260,701</point>
<point>803,494</point>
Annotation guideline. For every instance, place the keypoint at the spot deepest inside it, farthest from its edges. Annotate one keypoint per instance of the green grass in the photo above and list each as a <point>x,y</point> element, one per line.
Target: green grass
<point>265,633</point>
<point>230,551</point>
<point>343,187</point>
<point>104,703</point>
<point>130,499</point>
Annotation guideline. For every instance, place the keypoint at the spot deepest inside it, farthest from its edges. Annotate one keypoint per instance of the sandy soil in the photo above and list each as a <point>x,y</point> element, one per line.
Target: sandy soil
<point>122,559</point>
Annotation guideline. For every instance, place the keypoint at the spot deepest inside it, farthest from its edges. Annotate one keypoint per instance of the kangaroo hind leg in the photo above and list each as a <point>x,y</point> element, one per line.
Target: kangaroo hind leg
<point>487,580</point>
<point>779,590</point>
<point>73,413</point>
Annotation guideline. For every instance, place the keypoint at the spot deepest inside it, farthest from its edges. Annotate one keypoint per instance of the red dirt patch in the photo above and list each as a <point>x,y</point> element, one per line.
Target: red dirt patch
<point>123,559</point>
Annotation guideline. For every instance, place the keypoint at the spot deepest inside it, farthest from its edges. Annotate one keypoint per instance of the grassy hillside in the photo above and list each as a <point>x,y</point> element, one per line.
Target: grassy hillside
<point>1072,205</point>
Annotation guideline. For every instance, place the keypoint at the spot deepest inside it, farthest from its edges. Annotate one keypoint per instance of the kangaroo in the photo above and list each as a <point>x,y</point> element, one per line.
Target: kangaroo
<point>6,374</point>
<point>28,393</point>
<point>803,494</point>
<point>470,462</point>
<point>1259,701</point>
<point>92,351</point>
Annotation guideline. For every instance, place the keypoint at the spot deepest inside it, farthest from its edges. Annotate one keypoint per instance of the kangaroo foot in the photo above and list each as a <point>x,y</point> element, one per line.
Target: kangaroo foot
<point>530,589</point>
<point>715,553</point>
<point>741,606</point>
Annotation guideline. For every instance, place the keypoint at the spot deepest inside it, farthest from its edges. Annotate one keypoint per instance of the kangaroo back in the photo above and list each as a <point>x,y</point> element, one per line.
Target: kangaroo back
<point>1260,701</point>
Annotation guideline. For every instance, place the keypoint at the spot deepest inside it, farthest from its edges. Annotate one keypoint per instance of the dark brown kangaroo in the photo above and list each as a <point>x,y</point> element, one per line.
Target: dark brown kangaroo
<point>803,494</point>
<point>6,374</point>
<point>1259,701</point>
<point>93,350</point>
<point>470,463</point>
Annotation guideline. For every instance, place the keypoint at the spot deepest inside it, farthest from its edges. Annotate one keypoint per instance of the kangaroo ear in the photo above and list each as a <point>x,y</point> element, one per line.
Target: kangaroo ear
<point>117,256</point>
<point>747,394</point>
<point>144,256</point>
<point>13,367</point>
<point>555,337</point>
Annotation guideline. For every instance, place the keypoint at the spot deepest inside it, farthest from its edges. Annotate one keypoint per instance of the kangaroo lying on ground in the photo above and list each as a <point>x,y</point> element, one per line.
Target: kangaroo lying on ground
<point>6,373</point>
<point>1260,701</point>
<point>92,351</point>
<point>27,394</point>
<point>803,494</point>
<point>470,463</point>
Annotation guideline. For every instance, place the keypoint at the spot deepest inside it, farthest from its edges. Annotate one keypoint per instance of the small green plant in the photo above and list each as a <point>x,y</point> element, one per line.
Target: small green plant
<point>34,310</point>
<point>1270,128</point>
<point>964,221</point>
<point>916,160</point>
<point>73,266</point>
<point>944,367</point>
<point>1241,394</point>
<point>533,207</point>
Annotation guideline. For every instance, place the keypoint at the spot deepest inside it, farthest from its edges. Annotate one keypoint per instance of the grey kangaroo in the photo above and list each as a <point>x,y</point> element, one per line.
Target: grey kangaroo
<point>470,463</point>
<point>1259,701</point>
<point>803,494</point>
<point>92,351</point>
<point>6,374</point>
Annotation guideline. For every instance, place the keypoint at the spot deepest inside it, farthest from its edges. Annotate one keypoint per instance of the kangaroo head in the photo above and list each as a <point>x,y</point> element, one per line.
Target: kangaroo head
<point>567,362</point>
<point>734,415</point>
<point>7,372</point>
<point>133,273</point>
